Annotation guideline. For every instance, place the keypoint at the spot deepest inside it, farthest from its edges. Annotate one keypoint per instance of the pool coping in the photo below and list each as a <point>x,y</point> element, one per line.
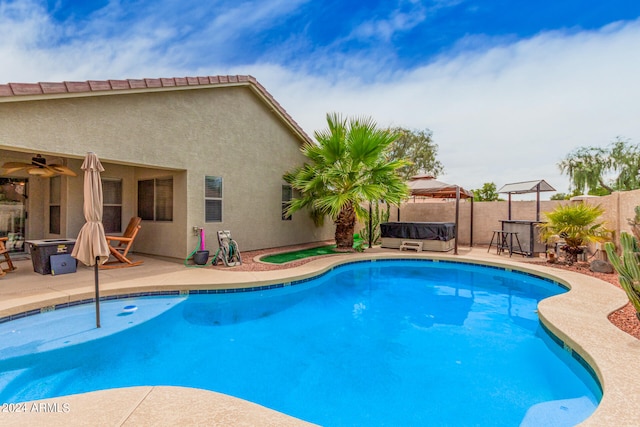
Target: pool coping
<point>578,318</point>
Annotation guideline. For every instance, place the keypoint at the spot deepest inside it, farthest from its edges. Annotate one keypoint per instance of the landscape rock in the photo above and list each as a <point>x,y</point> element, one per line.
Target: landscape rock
<point>600,266</point>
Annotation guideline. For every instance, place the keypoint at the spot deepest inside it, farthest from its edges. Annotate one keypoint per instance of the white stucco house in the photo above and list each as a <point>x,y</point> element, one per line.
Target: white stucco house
<point>181,153</point>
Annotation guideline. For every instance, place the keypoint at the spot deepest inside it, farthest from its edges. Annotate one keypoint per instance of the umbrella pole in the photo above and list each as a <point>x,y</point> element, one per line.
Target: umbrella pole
<point>97,293</point>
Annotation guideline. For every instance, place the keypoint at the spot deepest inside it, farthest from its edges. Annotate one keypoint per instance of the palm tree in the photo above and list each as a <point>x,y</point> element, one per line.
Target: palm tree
<point>577,225</point>
<point>348,166</point>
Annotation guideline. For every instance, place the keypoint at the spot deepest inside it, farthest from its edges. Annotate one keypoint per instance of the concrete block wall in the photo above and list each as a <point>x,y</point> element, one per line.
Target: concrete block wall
<point>619,207</point>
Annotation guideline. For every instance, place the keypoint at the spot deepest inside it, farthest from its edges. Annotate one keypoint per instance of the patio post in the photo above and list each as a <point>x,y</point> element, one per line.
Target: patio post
<point>455,245</point>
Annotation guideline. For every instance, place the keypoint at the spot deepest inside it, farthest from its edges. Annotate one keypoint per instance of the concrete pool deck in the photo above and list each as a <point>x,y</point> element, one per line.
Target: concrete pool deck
<point>578,318</point>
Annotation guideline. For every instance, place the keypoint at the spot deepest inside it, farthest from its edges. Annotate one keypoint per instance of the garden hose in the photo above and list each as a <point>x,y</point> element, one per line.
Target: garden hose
<point>190,256</point>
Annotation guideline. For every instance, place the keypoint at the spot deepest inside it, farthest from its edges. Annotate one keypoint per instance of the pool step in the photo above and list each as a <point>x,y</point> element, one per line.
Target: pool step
<point>559,413</point>
<point>411,244</point>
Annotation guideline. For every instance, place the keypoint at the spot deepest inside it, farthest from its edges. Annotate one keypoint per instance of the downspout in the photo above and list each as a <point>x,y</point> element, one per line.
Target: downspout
<point>538,202</point>
<point>471,225</point>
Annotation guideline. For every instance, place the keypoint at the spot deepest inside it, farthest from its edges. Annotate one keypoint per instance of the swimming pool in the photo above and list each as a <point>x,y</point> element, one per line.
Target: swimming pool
<point>384,343</point>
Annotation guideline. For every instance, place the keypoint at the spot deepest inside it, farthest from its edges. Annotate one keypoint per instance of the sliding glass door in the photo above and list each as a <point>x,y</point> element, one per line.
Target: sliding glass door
<point>13,193</point>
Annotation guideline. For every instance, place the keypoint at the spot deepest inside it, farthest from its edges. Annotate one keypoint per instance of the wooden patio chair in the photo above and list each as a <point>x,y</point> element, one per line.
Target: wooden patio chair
<point>119,245</point>
<point>5,258</point>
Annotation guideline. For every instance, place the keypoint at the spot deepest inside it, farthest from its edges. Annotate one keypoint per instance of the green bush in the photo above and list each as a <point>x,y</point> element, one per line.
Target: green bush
<point>577,225</point>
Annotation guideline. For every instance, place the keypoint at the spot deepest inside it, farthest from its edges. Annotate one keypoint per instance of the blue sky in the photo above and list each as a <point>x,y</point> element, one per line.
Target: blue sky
<point>507,87</point>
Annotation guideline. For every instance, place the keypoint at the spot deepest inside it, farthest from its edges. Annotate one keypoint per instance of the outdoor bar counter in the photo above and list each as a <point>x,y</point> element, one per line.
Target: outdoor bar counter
<point>435,236</point>
<point>528,236</point>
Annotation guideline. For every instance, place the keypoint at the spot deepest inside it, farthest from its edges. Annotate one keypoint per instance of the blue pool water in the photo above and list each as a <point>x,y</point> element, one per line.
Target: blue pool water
<point>411,343</point>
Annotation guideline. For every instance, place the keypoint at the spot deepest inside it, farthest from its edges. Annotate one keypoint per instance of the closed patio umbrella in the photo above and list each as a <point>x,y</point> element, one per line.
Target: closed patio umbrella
<point>91,246</point>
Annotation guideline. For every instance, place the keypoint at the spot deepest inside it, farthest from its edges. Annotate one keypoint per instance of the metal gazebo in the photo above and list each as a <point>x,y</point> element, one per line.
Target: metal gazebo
<point>527,230</point>
<point>524,188</point>
<point>428,186</point>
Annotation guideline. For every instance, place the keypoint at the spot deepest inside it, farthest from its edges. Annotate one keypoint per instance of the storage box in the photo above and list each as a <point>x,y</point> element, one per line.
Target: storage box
<point>41,251</point>
<point>62,264</point>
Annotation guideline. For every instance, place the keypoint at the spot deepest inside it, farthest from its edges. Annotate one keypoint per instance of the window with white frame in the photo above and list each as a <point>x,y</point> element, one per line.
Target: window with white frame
<point>287,195</point>
<point>213,199</point>
<point>155,199</point>
<point>112,205</point>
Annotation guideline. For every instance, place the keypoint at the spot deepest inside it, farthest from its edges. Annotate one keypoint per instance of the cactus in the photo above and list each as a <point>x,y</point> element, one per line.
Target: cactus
<point>635,222</point>
<point>378,216</point>
<point>628,267</point>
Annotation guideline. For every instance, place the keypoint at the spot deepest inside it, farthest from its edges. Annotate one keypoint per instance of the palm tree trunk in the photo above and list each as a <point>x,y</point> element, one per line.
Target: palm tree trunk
<point>345,224</point>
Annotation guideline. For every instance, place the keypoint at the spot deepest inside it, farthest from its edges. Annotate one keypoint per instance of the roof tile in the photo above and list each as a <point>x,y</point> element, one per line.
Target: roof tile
<point>18,89</point>
<point>137,84</point>
<point>97,85</point>
<point>75,87</point>
<point>119,84</point>
<point>153,82</point>
<point>58,87</point>
<point>168,82</point>
<point>25,88</point>
<point>5,90</point>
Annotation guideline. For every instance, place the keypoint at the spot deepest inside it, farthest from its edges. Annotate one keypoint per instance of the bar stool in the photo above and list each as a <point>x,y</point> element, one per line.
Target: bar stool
<point>507,243</point>
<point>504,241</point>
<point>497,236</point>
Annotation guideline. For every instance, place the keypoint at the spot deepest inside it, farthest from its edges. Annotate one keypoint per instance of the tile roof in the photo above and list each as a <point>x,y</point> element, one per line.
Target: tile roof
<point>14,91</point>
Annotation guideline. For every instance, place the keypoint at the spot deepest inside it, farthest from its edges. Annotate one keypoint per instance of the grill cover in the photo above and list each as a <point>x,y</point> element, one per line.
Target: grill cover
<point>443,231</point>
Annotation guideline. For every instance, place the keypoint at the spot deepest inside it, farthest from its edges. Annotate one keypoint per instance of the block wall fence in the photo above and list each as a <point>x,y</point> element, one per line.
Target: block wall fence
<point>619,207</point>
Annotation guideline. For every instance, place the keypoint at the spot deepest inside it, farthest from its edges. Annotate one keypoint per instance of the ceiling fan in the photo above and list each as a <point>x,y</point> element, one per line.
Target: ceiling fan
<point>37,167</point>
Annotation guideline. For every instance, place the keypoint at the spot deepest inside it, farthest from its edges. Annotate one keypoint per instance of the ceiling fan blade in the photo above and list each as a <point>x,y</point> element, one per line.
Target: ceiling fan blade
<point>38,168</point>
<point>10,170</point>
<point>62,170</point>
<point>13,165</point>
<point>42,172</point>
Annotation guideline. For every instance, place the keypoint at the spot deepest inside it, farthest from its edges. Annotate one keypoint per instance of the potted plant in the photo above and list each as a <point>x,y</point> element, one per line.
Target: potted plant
<point>201,256</point>
<point>551,256</point>
<point>577,225</point>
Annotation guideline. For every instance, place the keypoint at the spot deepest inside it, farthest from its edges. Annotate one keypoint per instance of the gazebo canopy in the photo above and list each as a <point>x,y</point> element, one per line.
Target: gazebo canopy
<point>582,197</point>
<point>428,186</point>
<point>526,187</point>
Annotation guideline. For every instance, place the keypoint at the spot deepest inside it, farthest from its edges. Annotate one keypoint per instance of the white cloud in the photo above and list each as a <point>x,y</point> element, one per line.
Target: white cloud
<point>507,112</point>
<point>398,20</point>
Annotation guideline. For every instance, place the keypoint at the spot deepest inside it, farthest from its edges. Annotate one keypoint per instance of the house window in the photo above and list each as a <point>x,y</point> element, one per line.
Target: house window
<point>287,194</point>
<point>155,199</point>
<point>54,204</point>
<point>213,199</point>
<point>112,205</point>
